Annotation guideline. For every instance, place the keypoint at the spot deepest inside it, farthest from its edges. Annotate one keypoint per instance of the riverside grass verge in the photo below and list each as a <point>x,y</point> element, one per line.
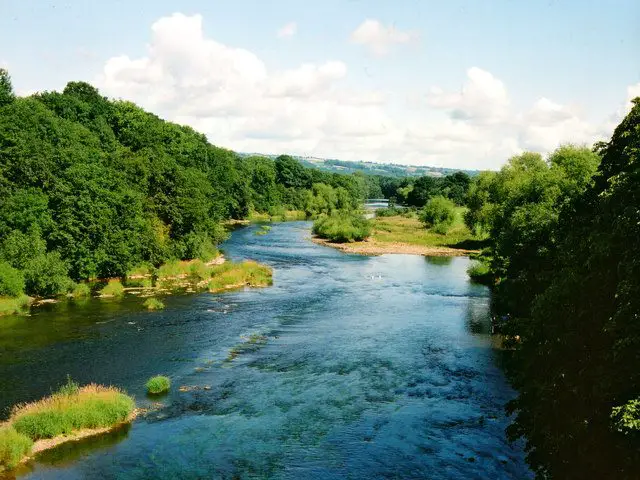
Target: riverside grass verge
<point>406,234</point>
<point>71,413</point>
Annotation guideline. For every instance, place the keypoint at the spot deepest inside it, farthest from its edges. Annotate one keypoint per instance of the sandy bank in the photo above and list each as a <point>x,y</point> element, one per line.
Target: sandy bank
<point>373,247</point>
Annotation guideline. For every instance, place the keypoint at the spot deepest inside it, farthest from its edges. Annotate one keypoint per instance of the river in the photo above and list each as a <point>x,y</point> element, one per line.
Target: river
<point>372,367</point>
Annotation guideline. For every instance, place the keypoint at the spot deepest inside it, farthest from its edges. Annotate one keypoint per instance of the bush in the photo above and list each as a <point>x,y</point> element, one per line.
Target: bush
<point>112,289</point>
<point>14,447</point>
<point>91,406</point>
<point>392,211</point>
<point>81,290</point>
<point>342,227</point>
<point>11,280</point>
<point>439,214</point>
<point>153,304</point>
<point>47,276</point>
<point>158,384</point>
<point>479,272</point>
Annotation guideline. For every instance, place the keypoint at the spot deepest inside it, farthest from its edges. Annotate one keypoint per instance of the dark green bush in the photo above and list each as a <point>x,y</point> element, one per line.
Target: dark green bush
<point>439,214</point>
<point>11,280</point>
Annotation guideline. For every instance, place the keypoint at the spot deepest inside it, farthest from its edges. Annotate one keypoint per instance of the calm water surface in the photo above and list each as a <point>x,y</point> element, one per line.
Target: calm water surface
<point>371,367</point>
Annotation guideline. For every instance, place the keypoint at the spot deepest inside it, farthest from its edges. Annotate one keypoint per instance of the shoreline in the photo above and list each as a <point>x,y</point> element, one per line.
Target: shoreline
<point>373,248</point>
<point>45,444</point>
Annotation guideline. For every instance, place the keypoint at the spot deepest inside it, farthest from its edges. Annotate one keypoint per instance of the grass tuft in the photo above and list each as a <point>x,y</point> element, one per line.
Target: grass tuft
<point>152,303</point>
<point>72,408</point>
<point>112,289</point>
<point>14,447</point>
<point>479,272</point>
<point>14,305</point>
<point>342,227</point>
<point>81,290</point>
<point>232,275</point>
<point>158,384</point>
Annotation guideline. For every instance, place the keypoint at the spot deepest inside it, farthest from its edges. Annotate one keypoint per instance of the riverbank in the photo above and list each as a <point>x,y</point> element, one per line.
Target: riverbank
<point>407,235</point>
<point>374,247</point>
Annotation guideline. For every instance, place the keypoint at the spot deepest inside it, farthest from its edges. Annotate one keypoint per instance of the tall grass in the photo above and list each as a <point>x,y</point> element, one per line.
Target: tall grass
<point>480,272</point>
<point>342,227</point>
<point>238,274</point>
<point>14,447</point>
<point>14,305</point>
<point>152,303</point>
<point>70,409</point>
<point>81,290</point>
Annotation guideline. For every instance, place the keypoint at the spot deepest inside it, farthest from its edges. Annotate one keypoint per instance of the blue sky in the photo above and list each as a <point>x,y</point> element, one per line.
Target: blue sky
<point>447,83</point>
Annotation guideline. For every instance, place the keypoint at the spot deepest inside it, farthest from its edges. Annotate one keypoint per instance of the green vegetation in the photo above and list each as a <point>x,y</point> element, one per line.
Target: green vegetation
<point>263,230</point>
<point>70,409</point>
<point>153,304</point>
<point>14,447</point>
<point>81,290</point>
<point>91,188</point>
<point>158,384</point>
<point>438,214</point>
<point>113,288</point>
<point>564,258</point>
<point>480,272</point>
<point>14,305</point>
<point>393,211</point>
<point>410,230</point>
<point>234,275</point>
<point>250,344</point>
<point>342,227</point>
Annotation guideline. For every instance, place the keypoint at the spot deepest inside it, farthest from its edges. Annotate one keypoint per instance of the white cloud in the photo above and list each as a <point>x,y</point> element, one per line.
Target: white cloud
<point>288,30</point>
<point>482,99</point>
<point>379,38</point>
<point>314,109</point>
<point>633,91</point>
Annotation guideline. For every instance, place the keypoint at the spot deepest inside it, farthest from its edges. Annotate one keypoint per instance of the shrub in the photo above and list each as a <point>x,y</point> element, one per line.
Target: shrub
<point>47,275</point>
<point>91,406</point>
<point>81,290</point>
<point>439,214</point>
<point>112,289</point>
<point>392,211</point>
<point>158,384</point>
<point>198,271</point>
<point>11,280</point>
<point>479,272</point>
<point>14,447</point>
<point>153,304</point>
<point>342,227</point>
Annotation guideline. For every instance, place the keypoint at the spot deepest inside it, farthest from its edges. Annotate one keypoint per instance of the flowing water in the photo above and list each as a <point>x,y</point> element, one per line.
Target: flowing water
<point>360,368</point>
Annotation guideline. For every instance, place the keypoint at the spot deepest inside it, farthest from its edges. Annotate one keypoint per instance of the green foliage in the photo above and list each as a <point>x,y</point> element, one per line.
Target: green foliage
<point>81,290</point>
<point>6,89</point>
<point>233,275</point>
<point>479,272</point>
<point>14,447</point>
<point>46,276</point>
<point>11,281</point>
<point>66,411</point>
<point>439,214</point>
<point>14,305</point>
<point>158,384</point>
<point>342,227</point>
<point>113,288</point>
<point>153,304</point>
<point>626,418</point>
<point>565,246</point>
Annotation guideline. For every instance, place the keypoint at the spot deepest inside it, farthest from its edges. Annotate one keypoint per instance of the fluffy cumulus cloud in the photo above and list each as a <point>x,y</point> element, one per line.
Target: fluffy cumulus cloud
<point>379,38</point>
<point>288,30</point>
<point>239,102</point>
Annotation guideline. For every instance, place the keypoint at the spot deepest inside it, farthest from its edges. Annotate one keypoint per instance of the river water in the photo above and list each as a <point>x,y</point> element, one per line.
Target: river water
<point>366,368</point>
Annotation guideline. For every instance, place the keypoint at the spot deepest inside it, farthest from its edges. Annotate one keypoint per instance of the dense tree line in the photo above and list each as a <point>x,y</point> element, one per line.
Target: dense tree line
<point>565,264</point>
<point>91,187</point>
<point>416,192</point>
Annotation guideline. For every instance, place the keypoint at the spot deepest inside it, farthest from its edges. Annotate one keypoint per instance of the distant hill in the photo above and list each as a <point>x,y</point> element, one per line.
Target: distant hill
<point>371,168</point>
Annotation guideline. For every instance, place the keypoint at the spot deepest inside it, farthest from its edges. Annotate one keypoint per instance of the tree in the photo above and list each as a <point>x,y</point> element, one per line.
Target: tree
<point>6,88</point>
